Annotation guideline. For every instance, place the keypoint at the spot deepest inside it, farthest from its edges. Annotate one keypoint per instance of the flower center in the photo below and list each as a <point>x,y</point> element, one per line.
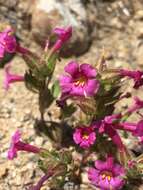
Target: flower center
<point>81,81</point>
<point>107,175</point>
<point>85,136</point>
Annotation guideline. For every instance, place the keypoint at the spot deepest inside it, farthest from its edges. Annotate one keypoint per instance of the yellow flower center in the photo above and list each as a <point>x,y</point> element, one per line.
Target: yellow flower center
<point>107,175</point>
<point>80,81</point>
<point>85,136</point>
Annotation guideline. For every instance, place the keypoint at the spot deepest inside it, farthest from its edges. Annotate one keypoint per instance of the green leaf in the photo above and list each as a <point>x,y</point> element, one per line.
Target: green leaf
<point>55,89</point>
<point>31,82</point>
<point>31,60</point>
<point>45,98</point>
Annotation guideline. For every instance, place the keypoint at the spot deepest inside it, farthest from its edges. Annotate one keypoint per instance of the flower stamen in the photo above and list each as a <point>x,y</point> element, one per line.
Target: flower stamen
<point>81,81</point>
<point>106,175</point>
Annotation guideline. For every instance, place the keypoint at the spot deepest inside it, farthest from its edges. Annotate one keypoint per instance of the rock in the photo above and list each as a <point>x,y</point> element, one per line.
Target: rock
<point>3,170</point>
<point>49,14</point>
<point>38,141</point>
<point>9,3</point>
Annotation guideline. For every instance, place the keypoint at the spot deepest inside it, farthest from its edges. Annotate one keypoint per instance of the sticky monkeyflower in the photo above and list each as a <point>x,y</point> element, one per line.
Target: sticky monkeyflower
<point>64,34</point>
<point>10,78</point>
<point>7,42</point>
<point>18,145</point>
<point>84,136</point>
<point>107,175</point>
<point>80,80</point>
<point>137,76</point>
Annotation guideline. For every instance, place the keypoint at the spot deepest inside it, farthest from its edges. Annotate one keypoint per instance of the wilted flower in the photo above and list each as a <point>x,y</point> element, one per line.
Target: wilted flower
<point>137,76</point>
<point>107,175</point>
<point>64,35</point>
<point>138,104</point>
<point>84,136</point>
<point>132,164</point>
<point>11,78</point>
<point>7,42</point>
<point>18,145</point>
<point>80,81</point>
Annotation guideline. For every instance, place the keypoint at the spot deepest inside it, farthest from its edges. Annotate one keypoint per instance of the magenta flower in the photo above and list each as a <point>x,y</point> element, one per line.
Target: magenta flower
<point>107,175</point>
<point>112,118</point>
<point>137,76</point>
<point>11,78</point>
<point>80,80</point>
<point>64,34</point>
<point>138,104</point>
<point>84,136</point>
<point>109,125</point>
<point>7,42</point>
<point>135,128</point>
<point>18,145</point>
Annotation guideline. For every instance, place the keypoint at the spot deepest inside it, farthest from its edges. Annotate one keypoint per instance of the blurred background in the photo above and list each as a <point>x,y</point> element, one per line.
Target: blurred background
<point>115,25</point>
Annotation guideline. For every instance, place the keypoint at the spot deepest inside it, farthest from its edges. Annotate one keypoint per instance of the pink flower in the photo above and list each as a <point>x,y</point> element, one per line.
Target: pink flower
<point>138,104</point>
<point>84,136</point>
<point>112,118</point>
<point>64,34</point>
<point>107,175</point>
<point>7,42</point>
<point>18,145</point>
<point>135,128</point>
<point>80,80</point>
<point>108,126</point>
<point>137,76</point>
<point>11,78</point>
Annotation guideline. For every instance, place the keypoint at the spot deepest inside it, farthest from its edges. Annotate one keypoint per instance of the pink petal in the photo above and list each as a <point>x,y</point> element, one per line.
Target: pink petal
<point>77,91</point>
<point>92,138</point>
<point>104,184</point>
<point>72,68</point>
<point>118,170</point>
<point>117,182</point>
<point>1,51</point>
<point>93,176</point>
<point>16,137</point>
<point>91,87</point>
<point>77,136</point>
<point>65,83</point>
<point>88,70</point>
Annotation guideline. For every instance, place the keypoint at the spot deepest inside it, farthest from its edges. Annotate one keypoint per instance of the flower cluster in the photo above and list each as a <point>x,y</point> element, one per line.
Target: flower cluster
<point>89,94</point>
